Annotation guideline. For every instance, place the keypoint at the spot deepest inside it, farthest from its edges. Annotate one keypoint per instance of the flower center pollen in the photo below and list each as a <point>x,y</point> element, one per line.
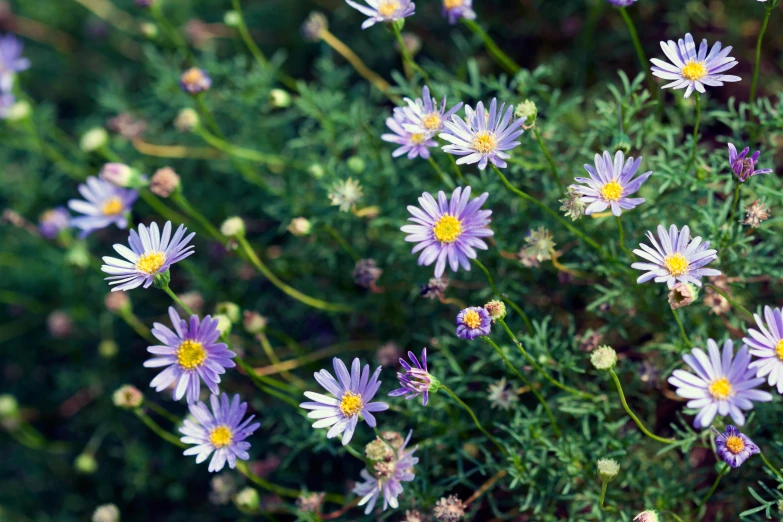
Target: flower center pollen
<point>432,121</point>
<point>150,262</point>
<point>694,70</point>
<point>676,264</point>
<point>471,319</point>
<point>221,437</point>
<point>735,444</point>
<point>720,388</point>
<point>191,354</point>
<point>387,8</point>
<point>779,350</point>
<point>452,4</point>
<point>612,191</point>
<point>192,76</point>
<point>112,207</point>
<point>447,229</point>
<point>484,142</point>
<point>417,139</point>
<point>351,404</point>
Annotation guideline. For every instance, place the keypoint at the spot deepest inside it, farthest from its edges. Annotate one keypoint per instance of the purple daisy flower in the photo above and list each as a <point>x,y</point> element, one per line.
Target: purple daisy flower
<point>104,204</point>
<point>11,61</point>
<point>456,9</point>
<point>222,431</point>
<point>352,396</point>
<point>723,384</point>
<point>150,253</point>
<point>448,231</point>
<point>415,144</point>
<point>676,258</point>
<point>621,3</point>
<point>190,354</point>
<point>733,446</point>
<point>53,221</point>
<point>195,81</point>
<point>416,380</point>
<point>423,115</point>
<point>766,344</point>
<point>743,166</point>
<point>387,478</point>
<point>692,69</point>
<point>610,184</point>
<point>383,10</point>
<point>7,101</point>
<point>483,136</point>
<point>473,322</point>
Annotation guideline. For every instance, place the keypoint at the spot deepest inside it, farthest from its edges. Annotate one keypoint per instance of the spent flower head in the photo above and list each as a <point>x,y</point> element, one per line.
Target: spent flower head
<point>195,81</point>
<point>501,395</point>
<point>366,273</point>
<point>743,166</point>
<point>682,294</point>
<point>733,446</point>
<point>755,214</point>
<point>310,502</point>
<point>127,397</point>
<point>314,26</point>
<point>164,182</point>
<point>496,310</point>
<point>540,244</point>
<point>346,194</point>
<point>449,509</point>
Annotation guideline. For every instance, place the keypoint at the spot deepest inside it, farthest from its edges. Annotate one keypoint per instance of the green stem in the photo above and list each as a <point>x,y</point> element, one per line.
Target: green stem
<point>262,381</point>
<point>731,301</point>
<point>172,33</point>
<point>154,426</point>
<point>240,152</point>
<point>177,300</point>
<point>341,240</point>
<point>280,490</point>
<point>735,202</point>
<point>695,133</point>
<point>207,115</point>
<point>179,199</point>
<point>723,471</point>
<point>505,299</point>
<point>455,167</point>
<point>682,328</point>
<point>622,237</point>
<point>446,180</point>
<point>639,49</point>
<point>673,514</point>
<point>772,468</point>
<point>603,497</point>
<point>135,323</point>
<point>527,383</point>
<point>538,367</point>
<point>163,412</point>
<point>752,99</point>
<point>499,56</point>
<point>406,55</point>
<point>353,451</point>
<point>548,158</point>
<point>632,415</point>
<point>473,416</point>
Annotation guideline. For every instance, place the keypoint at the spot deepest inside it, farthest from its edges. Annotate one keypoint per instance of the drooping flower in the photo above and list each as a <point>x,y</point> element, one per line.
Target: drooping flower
<point>416,380</point>
<point>723,384</point>
<point>414,144</point>
<point>610,183</point>
<point>191,354</point>
<point>744,167</point>
<point>352,395</point>
<point>53,221</point>
<point>195,81</point>
<point>473,322</point>
<point>387,478</point>
<point>346,194</point>
<point>733,446</point>
<point>11,61</point>
<point>766,344</point>
<point>690,69</point>
<point>383,10</point>
<point>104,204</point>
<point>501,395</point>
<point>448,230</point>
<point>150,253</point>
<point>456,9</point>
<point>676,258</point>
<point>222,431</point>
<point>483,136</point>
<point>423,115</point>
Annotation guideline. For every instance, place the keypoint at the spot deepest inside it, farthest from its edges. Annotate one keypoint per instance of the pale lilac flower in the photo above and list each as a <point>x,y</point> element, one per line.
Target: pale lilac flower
<point>690,69</point>
<point>352,395</point>
<point>743,166</point>
<point>11,61</point>
<point>733,446</point>
<point>416,380</point>
<point>448,231</point>
<point>483,136</point>
<point>222,431</point>
<point>414,144</point>
<point>473,322</point>
<point>195,81</point>
<point>53,221</point>
<point>610,184</point>
<point>676,258</point>
<point>723,384</point>
<point>621,3</point>
<point>456,9</point>
<point>191,354</point>
<point>104,204</point>
<point>383,10</point>
<point>387,478</point>
<point>766,344</point>
<point>423,115</point>
<point>150,253</point>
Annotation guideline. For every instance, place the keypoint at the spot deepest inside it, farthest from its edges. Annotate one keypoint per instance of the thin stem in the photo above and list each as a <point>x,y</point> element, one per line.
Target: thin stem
<point>752,99</point>
<point>695,133</point>
<point>274,359</point>
<point>673,514</point>
<point>527,382</point>
<point>245,34</point>
<point>473,416</point>
<point>342,242</point>
<point>135,323</point>
<point>260,383</point>
<point>731,301</point>
<point>280,490</point>
<point>365,72</point>
<point>621,240</point>
<point>353,451</point>
<point>643,62</point>
<point>682,328</point>
<point>207,115</point>
<point>179,199</point>
<point>406,55</point>
<point>505,299</point>
<point>240,152</point>
<point>446,181</point>
<point>172,33</point>
<point>603,497</point>
<point>499,56</point>
<point>772,468</point>
<point>177,300</point>
<point>723,471</point>
<point>160,432</point>
<point>538,367</point>
<point>455,167</point>
<point>632,415</point>
<point>163,412</point>
<point>735,202</point>
<point>548,158</point>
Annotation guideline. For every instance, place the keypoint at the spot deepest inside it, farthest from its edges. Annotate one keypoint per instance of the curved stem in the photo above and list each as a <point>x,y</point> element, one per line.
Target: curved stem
<point>173,34</point>
<point>240,152</point>
<point>280,490</point>
<point>160,432</point>
<point>695,133</point>
<point>752,99</point>
<point>179,199</point>
<point>632,415</point>
<point>455,167</point>
<point>703,502</point>
<point>505,299</point>
<point>772,468</point>
<point>499,56</point>
<point>406,55</point>
<point>163,412</point>
<point>682,328</point>
<point>622,238</point>
<point>135,323</point>
<point>552,165</point>
<point>473,416</point>
<point>365,72</point>
<point>731,301</point>
<point>637,44</point>
<point>603,497</point>
<point>341,240</point>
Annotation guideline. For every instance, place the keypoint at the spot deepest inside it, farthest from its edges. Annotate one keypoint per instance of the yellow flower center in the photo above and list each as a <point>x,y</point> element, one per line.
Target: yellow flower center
<point>694,70</point>
<point>779,350</point>
<point>111,207</point>
<point>676,264</point>
<point>432,121</point>
<point>612,191</point>
<point>471,319</point>
<point>191,354</point>
<point>447,229</point>
<point>192,75</point>
<point>720,388</point>
<point>150,262</point>
<point>351,404</point>
<point>484,142</point>
<point>387,8</point>
<point>417,139</point>
<point>734,444</point>
<point>221,437</point>
<point>452,4</point>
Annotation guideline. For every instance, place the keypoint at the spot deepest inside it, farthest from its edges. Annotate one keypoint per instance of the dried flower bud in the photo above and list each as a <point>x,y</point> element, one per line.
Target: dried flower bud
<point>682,294</point>
<point>223,488</point>
<point>94,139</point>
<point>449,509</point>
<point>310,502</point>
<point>435,288</point>
<point>164,182</point>
<point>366,273</point>
<point>755,214</point>
<point>590,341</point>
<point>233,227</point>
<point>127,397</point>
<point>572,204</point>
<point>106,512</point>
<point>604,358</point>
<point>496,310</point>
<point>195,81</point>
<point>539,244</point>
<point>193,300</point>
<point>127,126</point>
<point>607,469</point>
<point>314,26</point>
<point>230,310</point>
<point>388,354</point>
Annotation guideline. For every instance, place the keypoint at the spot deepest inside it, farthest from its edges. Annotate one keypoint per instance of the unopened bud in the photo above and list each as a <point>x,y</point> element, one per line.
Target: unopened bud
<point>254,322</point>
<point>94,139</point>
<point>608,469</point>
<point>232,18</point>
<point>279,99</point>
<point>300,226</point>
<point>127,397</point>
<point>496,310</point>
<point>233,227</point>
<point>164,182</point>
<point>604,358</point>
<point>186,120</point>
<point>230,310</point>
<point>247,499</point>
<point>86,464</point>
<point>224,324</point>
<point>528,110</point>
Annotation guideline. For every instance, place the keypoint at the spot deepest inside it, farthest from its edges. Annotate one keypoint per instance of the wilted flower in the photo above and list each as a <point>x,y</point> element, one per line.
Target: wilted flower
<point>195,81</point>
<point>456,9</point>
<point>384,10</point>
<point>603,358</point>
<point>473,322</point>
<point>590,341</point>
<point>387,478</point>
<point>539,244</point>
<point>366,273</point>
<point>743,166</point>
<point>127,397</point>
<point>346,194</point>
<point>733,446</point>
<point>11,61</point>
<point>676,258</point>
<point>755,214</point>
<point>222,431</point>
<point>607,469</point>
<point>53,221</point>
<point>435,288</point>
<point>723,384</point>
<point>501,395</point>
<point>766,344</point>
<point>314,26</point>
<point>106,513</point>
<point>416,380</point>
<point>164,182</point>
<point>449,509</point>
<point>352,396</point>
<point>104,204</point>
<point>690,69</point>
<point>310,502</point>
<point>423,115</point>
<point>414,144</point>
<point>610,184</point>
<point>682,295</point>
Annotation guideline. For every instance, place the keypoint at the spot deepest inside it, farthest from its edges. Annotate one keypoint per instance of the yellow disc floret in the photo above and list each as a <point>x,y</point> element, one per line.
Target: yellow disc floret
<point>694,70</point>
<point>471,319</point>
<point>612,191</point>
<point>417,139</point>
<point>779,350</point>
<point>735,444</point>
<point>112,207</point>
<point>452,4</point>
<point>431,121</point>
<point>191,354</point>
<point>484,142</point>
<point>676,264</point>
<point>720,388</point>
<point>221,436</point>
<point>351,404</point>
<point>150,262</point>
<point>387,8</point>
<point>447,229</point>
<point>193,76</point>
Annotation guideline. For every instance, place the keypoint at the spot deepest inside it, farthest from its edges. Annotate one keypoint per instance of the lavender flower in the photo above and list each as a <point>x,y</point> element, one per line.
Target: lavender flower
<point>473,322</point>
<point>448,231</point>
<point>352,396</point>
<point>691,70</point>
<point>414,144</point>
<point>456,9</point>
<point>483,136</point>
<point>190,354</point>
<point>384,10</point>
<point>416,380</point>
<point>7,101</point>
<point>733,446</point>
<point>195,81</point>
<point>677,258</point>
<point>105,204</point>
<point>222,431</point>
<point>610,184</point>
<point>423,115</point>
<point>621,3</point>
<point>11,61</point>
<point>743,166</point>
<point>53,221</point>
<point>150,253</point>
<point>387,478</point>
<point>766,344</point>
<point>723,384</point>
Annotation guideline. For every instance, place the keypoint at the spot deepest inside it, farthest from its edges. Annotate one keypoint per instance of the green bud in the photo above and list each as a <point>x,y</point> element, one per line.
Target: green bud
<point>233,227</point>
<point>604,358</point>
<point>9,406</point>
<point>247,499</point>
<point>608,469</point>
<point>232,18</point>
<point>279,99</point>
<point>528,110</point>
<point>108,349</point>
<point>148,30</point>
<point>187,120</point>
<point>78,256</point>
<point>224,324</point>
<point>230,310</point>
<point>94,139</point>
<point>161,280</point>
<point>621,141</point>
<point>356,164</point>
<point>86,464</point>
<point>19,111</point>
<point>316,171</point>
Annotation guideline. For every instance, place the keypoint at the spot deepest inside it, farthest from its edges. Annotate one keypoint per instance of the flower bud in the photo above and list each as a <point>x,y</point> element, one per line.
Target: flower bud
<point>224,324</point>
<point>604,358</point>
<point>621,141</point>
<point>9,406</point>
<point>230,310</point>
<point>528,110</point>
<point>127,397</point>
<point>186,120</point>
<point>247,499</point>
<point>118,174</point>
<point>683,294</point>
<point>608,469</point>
<point>314,26</point>
<point>649,515</point>
<point>108,349</point>
<point>496,310</point>
<point>117,302</point>
<point>300,226</point>
<point>94,139</point>
<point>356,164</point>
<point>316,171</point>
<point>232,18</point>
<point>233,227</point>
<point>19,111</point>
<point>77,255</point>
<point>106,513</point>
<point>254,322</point>
<point>85,464</point>
<point>164,182</point>
<point>148,30</point>
<point>161,280</point>
<point>377,450</point>
<point>195,81</point>
<point>279,99</point>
